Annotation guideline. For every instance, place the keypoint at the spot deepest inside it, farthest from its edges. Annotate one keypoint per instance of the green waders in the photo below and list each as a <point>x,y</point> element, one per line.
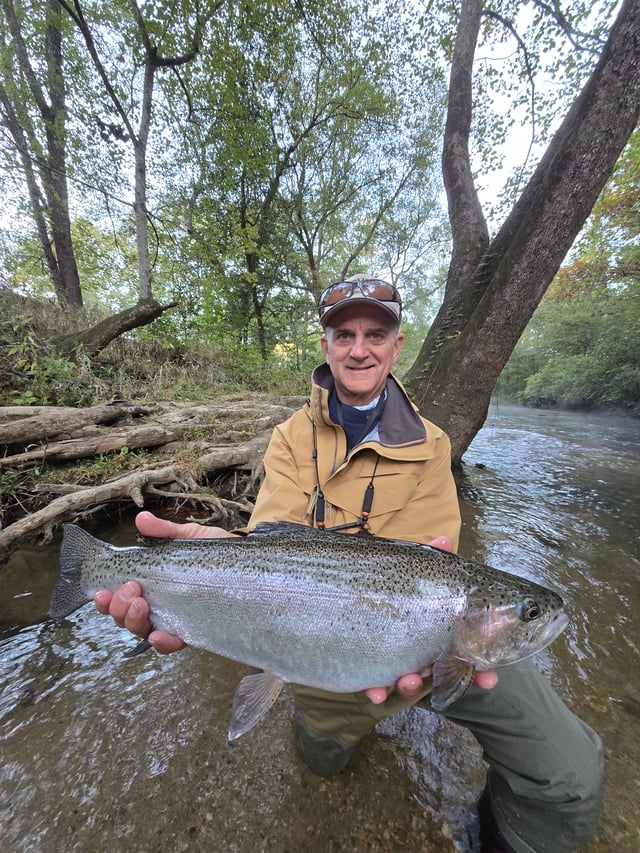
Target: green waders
<point>544,783</point>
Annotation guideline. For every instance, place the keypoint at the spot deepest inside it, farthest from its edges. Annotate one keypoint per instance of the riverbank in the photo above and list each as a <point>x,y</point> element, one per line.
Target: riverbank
<point>199,460</point>
<point>583,407</point>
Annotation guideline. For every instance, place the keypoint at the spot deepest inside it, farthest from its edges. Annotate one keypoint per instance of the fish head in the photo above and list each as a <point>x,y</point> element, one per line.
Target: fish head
<point>508,621</point>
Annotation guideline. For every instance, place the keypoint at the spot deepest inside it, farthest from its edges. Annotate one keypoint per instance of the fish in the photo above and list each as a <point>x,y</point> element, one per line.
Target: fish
<point>322,609</point>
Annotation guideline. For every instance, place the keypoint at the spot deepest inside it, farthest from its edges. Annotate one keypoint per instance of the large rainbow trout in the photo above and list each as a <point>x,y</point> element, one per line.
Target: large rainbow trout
<point>327,610</point>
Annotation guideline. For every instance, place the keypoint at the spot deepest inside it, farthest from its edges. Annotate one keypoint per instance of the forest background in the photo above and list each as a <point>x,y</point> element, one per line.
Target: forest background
<point>273,168</point>
<point>182,180</point>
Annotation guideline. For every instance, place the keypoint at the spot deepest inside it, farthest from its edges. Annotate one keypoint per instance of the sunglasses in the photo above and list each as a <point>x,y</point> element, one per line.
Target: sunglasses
<point>370,288</point>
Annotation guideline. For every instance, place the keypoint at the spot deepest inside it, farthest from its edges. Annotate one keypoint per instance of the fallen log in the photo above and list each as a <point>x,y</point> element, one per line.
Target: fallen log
<point>181,480</point>
<point>54,423</point>
<point>79,448</point>
<point>8,413</point>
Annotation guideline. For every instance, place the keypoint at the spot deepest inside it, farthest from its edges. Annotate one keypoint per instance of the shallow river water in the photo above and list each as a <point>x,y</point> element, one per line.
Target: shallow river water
<point>98,752</point>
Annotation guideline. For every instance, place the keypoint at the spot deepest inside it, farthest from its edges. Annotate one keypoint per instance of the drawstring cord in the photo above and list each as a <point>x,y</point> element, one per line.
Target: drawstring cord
<point>367,503</point>
<point>319,502</point>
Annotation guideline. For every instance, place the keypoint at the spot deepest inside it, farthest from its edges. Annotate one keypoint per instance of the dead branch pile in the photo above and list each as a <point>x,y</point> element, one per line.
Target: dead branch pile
<point>205,460</point>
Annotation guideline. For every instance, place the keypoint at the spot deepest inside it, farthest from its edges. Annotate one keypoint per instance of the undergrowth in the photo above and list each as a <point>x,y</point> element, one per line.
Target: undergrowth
<point>137,366</point>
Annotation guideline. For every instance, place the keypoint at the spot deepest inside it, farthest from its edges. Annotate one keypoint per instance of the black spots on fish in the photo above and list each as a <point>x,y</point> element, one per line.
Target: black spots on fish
<point>498,599</point>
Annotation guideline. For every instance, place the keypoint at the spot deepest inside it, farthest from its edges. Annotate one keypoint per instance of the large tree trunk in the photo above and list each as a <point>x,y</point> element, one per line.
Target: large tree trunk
<point>494,287</point>
<point>55,172</point>
<point>141,211</point>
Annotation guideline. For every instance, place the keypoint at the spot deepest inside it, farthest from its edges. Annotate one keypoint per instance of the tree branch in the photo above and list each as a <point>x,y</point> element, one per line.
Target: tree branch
<point>468,225</point>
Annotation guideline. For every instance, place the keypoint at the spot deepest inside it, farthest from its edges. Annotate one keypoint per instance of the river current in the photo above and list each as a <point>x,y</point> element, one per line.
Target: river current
<point>98,752</point>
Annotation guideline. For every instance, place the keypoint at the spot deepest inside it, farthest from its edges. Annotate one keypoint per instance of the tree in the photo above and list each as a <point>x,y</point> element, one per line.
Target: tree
<point>150,45</point>
<point>309,139</point>
<point>33,108</point>
<point>494,284</point>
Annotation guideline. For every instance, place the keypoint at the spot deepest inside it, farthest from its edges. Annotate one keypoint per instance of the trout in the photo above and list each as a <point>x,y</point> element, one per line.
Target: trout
<point>329,610</point>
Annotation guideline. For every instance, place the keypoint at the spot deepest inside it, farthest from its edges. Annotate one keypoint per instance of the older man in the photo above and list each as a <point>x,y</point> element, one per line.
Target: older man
<point>359,458</point>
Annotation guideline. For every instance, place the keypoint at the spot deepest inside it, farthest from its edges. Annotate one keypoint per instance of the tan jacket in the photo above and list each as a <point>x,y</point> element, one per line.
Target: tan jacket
<point>414,491</point>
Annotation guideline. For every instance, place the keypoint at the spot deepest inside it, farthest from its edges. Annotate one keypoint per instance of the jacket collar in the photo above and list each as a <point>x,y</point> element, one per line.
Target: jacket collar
<point>400,424</point>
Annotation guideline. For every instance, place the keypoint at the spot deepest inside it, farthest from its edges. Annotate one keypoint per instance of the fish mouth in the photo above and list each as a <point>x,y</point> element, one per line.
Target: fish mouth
<point>542,636</point>
<point>558,623</point>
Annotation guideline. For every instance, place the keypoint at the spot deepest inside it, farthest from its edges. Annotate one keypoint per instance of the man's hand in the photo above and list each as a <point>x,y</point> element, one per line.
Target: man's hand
<point>128,608</point>
<point>410,685</point>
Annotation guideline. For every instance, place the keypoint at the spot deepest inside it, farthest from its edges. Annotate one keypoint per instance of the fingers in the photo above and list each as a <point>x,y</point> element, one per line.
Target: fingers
<point>377,695</point>
<point>486,679</point>
<point>129,610</point>
<point>102,600</point>
<point>442,543</point>
<point>409,686</point>
<point>165,643</point>
<point>127,607</point>
<point>150,525</point>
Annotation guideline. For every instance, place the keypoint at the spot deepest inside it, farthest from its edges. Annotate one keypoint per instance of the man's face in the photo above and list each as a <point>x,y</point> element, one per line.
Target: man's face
<point>360,347</point>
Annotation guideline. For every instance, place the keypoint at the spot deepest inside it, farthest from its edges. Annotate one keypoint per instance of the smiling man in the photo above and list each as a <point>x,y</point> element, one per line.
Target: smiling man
<point>359,458</point>
<point>360,350</point>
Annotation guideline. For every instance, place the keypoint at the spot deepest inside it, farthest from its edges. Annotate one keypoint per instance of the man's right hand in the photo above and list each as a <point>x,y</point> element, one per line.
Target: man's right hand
<point>127,607</point>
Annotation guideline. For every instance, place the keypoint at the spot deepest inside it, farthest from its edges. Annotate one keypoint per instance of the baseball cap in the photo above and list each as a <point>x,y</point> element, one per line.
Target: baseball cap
<point>371,291</point>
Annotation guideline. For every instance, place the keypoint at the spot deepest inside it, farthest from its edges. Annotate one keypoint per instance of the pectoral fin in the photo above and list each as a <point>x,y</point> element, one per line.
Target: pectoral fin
<point>254,696</point>
<point>451,678</point>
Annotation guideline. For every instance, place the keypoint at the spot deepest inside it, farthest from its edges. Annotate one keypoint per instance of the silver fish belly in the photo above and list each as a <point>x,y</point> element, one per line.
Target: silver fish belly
<point>327,610</point>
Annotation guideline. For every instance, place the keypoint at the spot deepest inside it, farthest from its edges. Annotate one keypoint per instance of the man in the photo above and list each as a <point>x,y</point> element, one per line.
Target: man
<point>359,458</point>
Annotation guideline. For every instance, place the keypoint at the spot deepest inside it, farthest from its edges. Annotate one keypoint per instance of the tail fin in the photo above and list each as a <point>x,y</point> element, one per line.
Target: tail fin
<point>78,547</point>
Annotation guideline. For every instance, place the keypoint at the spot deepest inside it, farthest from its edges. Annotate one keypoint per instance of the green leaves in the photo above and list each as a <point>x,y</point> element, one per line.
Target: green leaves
<point>582,346</point>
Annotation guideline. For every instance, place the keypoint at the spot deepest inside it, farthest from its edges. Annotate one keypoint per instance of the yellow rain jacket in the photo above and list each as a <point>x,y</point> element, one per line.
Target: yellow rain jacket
<point>414,491</point>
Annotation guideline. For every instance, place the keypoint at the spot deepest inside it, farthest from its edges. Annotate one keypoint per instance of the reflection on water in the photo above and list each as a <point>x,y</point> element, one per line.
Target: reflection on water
<point>100,752</point>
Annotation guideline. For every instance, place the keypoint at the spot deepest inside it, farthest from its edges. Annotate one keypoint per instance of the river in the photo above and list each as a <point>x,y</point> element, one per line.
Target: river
<point>99,752</point>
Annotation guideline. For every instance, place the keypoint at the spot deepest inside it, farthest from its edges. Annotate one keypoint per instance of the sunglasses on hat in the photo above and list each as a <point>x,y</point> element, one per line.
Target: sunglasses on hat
<point>373,290</point>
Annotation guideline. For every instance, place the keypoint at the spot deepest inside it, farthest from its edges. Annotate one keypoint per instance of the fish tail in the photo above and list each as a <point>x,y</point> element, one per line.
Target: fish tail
<point>77,549</point>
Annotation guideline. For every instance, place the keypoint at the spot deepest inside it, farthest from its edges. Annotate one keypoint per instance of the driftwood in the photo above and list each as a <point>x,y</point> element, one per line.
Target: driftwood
<point>190,451</point>
<point>83,446</point>
<point>58,422</point>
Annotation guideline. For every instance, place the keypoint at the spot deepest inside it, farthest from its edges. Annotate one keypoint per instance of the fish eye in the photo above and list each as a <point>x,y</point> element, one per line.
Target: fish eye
<point>531,611</point>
